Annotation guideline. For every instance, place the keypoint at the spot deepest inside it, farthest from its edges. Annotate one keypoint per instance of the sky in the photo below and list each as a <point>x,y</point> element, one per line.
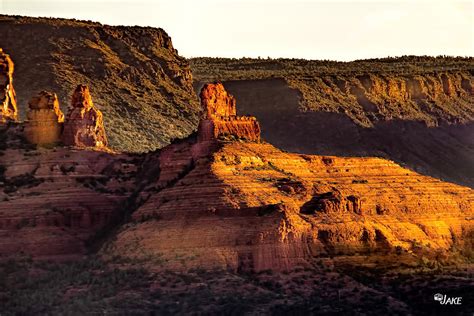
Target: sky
<point>311,29</point>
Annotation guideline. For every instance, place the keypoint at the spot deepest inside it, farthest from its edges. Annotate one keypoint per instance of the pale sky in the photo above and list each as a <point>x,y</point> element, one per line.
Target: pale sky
<point>312,29</point>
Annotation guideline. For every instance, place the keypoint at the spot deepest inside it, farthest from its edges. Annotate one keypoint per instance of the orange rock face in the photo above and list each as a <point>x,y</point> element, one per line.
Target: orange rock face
<point>8,110</point>
<point>221,120</point>
<point>44,119</point>
<point>84,126</point>
<point>216,101</point>
<point>252,206</point>
<point>244,206</point>
<point>209,204</point>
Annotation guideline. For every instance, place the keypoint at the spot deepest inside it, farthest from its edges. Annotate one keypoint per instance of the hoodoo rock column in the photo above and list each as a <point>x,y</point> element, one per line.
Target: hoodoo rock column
<point>45,119</point>
<point>8,108</point>
<point>220,119</point>
<point>84,126</point>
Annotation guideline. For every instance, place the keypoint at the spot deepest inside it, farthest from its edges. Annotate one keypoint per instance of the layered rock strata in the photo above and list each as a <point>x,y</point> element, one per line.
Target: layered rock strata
<point>84,126</point>
<point>417,111</point>
<point>8,110</point>
<point>208,202</point>
<point>251,206</point>
<point>244,206</point>
<point>54,203</point>
<point>220,117</point>
<point>44,119</point>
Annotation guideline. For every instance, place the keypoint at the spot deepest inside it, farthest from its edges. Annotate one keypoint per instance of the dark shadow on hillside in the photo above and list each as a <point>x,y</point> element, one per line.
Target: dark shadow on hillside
<point>445,152</point>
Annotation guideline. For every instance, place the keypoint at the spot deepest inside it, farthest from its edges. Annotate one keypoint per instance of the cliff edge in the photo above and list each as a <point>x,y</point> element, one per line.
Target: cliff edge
<point>143,87</point>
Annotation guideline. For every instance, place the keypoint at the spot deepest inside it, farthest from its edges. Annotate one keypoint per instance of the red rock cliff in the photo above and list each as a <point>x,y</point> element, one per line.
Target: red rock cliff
<point>84,126</point>
<point>220,117</point>
<point>216,101</point>
<point>8,110</point>
<point>252,206</point>
<point>45,119</point>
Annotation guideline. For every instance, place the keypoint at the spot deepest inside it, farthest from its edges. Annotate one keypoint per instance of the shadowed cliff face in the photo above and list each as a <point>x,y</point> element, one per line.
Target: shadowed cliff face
<point>141,84</point>
<point>429,141</point>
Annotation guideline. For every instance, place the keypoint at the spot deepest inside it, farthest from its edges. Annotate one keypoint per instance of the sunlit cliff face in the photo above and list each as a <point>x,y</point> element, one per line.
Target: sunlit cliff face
<point>8,107</point>
<point>220,119</point>
<point>44,119</point>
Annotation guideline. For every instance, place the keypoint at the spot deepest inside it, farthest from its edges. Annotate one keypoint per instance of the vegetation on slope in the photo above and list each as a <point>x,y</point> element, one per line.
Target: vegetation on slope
<point>433,90</point>
<point>209,68</point>
<point>136,77</point>
<point>95,286</point>
<point>416,110</point>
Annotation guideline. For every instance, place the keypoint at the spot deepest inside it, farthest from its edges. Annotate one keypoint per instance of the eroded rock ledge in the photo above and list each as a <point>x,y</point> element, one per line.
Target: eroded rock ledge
<point>220,119</point>
<point>211,202</point>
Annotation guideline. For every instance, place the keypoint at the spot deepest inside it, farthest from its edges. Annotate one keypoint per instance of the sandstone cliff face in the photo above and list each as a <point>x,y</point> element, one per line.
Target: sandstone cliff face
<point>142,84</point>
<point>220,117</point>
<point>417,111</point>
<point>8,110</point>
<point>439,98</point>
<point>84,125</point>
<point>251,206</point>
<point>54,202</point>
<point>44,119</point>
<point>216,101</point>
<point>236,205</point>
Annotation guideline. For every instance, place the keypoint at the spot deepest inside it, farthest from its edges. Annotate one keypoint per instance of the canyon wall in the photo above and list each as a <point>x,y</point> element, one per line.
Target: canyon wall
<point>250,206</point>
<point>435,99</point>
<point>138,80</point>
<point>416,110</point>
<point>247,206</point>
<point>228,202</point>
<point>422,125</point>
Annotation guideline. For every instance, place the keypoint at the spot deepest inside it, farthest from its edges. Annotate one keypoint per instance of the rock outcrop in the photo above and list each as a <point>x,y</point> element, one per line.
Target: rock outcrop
<point>220,119</point>
<point>84,126</point>
<point>8,110</point>
<point>242,206</point>
<point>250,206</point>
<point>142,84</point>
<point>55,201</point>
<point>44,119</point>
<point>417,111</point>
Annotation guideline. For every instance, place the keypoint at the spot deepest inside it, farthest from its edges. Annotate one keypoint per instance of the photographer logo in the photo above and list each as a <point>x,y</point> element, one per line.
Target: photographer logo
<point>445,300</point>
